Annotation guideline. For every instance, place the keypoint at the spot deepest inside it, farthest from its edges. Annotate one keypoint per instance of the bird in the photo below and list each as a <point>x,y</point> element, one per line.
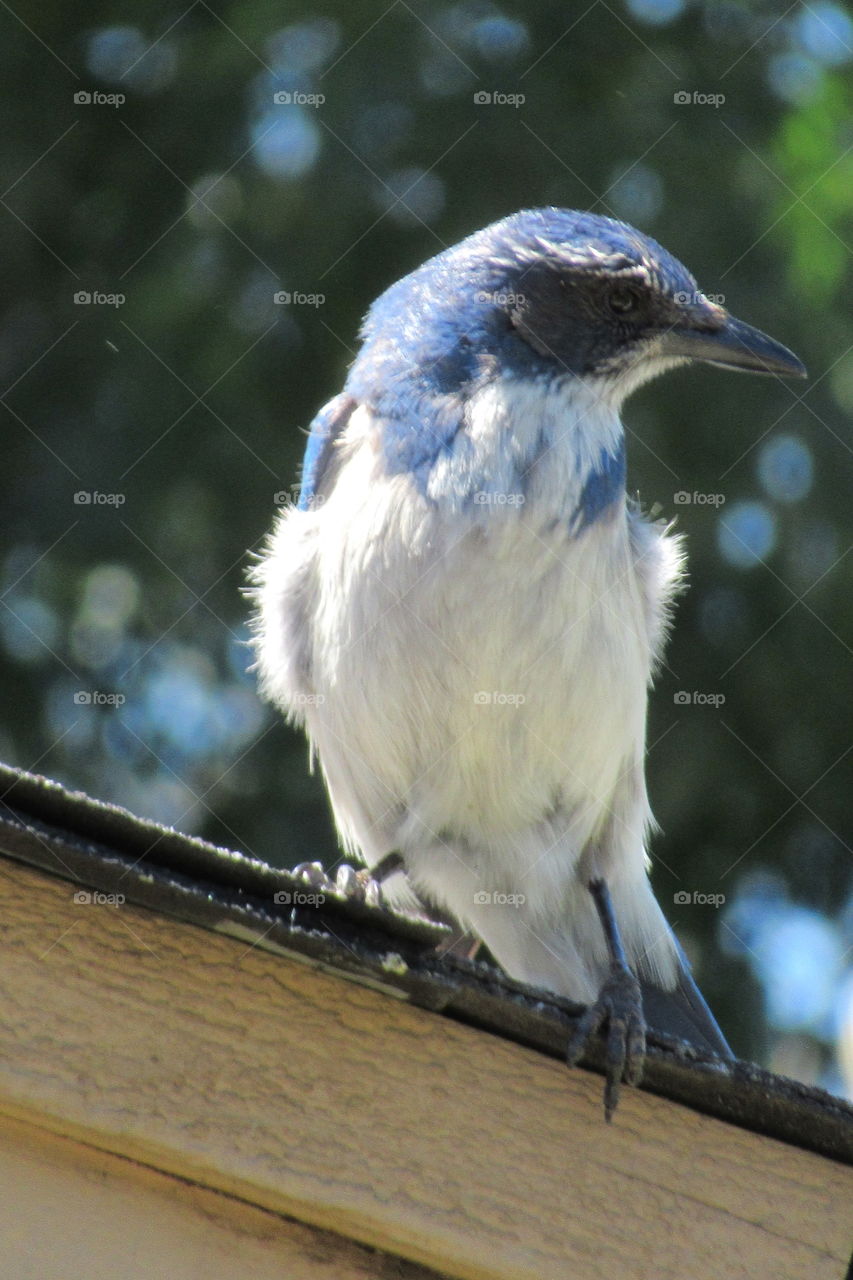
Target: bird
<point>465,608</point>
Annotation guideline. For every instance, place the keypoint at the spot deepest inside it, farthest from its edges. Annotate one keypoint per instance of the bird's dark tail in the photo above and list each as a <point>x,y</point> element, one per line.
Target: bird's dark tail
<point>684,1013</point>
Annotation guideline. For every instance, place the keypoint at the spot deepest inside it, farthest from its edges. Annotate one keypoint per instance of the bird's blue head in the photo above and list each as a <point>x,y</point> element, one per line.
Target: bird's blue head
<point>551,298</point>
<point>552,293</point>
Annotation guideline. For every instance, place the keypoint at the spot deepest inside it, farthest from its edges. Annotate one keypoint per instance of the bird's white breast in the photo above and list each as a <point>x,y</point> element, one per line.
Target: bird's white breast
<point>472,668</point>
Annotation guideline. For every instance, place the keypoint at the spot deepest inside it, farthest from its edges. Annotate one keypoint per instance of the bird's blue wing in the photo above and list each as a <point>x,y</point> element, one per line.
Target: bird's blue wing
<point>324,430</point>
<point>683,1012</point>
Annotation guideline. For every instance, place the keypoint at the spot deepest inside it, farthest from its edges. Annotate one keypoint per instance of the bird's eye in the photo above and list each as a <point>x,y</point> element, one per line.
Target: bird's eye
<point>622,300</point>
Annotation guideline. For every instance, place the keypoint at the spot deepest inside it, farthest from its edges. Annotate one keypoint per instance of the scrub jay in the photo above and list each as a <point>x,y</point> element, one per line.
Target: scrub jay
<point>465,609</point>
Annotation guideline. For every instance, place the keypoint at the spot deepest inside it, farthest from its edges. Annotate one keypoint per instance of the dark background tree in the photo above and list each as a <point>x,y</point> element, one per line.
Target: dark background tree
<point>149,431</point>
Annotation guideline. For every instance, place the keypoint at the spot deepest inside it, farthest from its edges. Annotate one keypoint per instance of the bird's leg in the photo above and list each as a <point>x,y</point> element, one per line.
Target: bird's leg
<point>363,885</point>
<point>620,1005</point>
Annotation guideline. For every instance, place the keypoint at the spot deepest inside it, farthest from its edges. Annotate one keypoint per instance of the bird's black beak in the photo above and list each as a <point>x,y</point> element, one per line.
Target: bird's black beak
<point>710,333</point>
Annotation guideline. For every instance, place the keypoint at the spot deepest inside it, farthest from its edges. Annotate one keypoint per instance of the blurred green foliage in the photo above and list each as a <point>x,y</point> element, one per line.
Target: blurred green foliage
<point>180,406</point>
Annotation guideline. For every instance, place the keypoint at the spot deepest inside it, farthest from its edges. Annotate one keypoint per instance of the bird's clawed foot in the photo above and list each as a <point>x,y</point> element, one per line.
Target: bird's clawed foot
<point>359,885</point>
<point>620,1007</point>
<point>313,874</point>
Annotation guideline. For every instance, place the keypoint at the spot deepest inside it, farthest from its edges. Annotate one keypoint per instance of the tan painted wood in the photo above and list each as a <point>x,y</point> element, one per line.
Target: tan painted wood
<point>313,1097</point>
<point>71,1212</point>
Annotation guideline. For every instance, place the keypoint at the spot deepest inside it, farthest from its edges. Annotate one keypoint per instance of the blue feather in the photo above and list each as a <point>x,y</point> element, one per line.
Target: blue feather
<point>604,486</point>
<point>325,429</point>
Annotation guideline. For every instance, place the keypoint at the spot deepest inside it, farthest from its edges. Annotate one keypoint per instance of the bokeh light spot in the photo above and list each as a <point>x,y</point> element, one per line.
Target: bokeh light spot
<point>746,534</point>
<point>785,468</point>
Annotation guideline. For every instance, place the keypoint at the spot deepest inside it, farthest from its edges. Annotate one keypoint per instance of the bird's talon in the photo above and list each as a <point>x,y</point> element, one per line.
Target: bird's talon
<point>347,882</point>
<point>582,1034</point>
<point>373,893</point>
<point>620,1007</point>
<point>611,1099</point>
<point>313,874</point>
<point>358,886</point>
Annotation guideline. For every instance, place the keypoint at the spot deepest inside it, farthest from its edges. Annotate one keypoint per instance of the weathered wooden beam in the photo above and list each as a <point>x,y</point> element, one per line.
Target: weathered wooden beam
<point>295,1091</point>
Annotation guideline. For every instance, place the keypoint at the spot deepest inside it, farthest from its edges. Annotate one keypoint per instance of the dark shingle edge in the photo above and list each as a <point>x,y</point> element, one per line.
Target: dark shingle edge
<point>104,848</point>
